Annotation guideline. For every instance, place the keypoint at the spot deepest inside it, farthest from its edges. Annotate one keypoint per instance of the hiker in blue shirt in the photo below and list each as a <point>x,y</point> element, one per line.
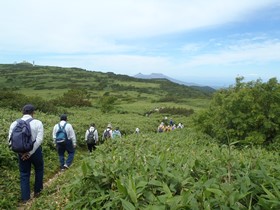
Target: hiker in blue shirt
<point>68,145</point>
<point>116,133</point>
<point>34,157</point>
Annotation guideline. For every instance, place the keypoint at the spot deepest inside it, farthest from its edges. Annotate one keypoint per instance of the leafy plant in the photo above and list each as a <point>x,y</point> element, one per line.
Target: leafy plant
<point>247,112</point>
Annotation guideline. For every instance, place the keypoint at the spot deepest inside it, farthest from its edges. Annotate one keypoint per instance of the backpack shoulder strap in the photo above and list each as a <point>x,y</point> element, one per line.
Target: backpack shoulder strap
<point>64,125</point>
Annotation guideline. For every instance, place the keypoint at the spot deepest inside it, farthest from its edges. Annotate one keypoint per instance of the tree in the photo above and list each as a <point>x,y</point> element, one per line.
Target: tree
<point>247,112</point>
<point>107,103</point>
<point>74,97</point>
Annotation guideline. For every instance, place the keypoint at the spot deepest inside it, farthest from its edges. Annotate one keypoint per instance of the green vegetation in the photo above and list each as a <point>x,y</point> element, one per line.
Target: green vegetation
<point>247,112</point>
<point>202,166</point>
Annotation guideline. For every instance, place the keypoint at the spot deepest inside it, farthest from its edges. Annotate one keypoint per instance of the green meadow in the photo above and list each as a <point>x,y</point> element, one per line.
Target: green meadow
<point>182,169</point>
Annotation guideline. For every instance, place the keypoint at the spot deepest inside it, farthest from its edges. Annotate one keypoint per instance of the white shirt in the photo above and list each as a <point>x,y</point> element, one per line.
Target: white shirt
<point>37,132</point>
<point>95,133</point>
<point>69,131</point>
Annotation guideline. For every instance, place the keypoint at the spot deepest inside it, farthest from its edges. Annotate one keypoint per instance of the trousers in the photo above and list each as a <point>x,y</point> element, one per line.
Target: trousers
<point>67,146</point>
<point>36,159</point>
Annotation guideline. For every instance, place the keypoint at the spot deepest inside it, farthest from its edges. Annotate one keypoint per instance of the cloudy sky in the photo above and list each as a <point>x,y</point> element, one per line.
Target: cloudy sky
<point>201,41</point>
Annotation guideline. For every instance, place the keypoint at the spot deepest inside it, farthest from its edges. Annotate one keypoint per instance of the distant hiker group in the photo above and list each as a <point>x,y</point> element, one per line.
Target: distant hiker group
<point>91,136</point>
<point>166,126</point>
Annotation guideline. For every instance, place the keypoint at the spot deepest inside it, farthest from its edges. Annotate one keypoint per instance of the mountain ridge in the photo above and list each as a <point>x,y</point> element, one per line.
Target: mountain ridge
<point>162,76</point>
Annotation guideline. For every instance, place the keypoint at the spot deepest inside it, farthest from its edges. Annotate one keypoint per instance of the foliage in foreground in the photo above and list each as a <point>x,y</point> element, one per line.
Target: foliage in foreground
<point>247,112</point>
<point>177,170</point>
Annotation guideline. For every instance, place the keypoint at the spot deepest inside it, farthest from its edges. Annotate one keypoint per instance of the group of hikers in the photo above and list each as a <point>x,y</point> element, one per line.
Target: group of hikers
<point>166,126</point>
<point>26,137</point>
<point>92,139</point>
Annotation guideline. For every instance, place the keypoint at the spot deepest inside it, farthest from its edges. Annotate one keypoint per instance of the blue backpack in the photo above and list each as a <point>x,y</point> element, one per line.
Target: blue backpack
<point>21,139</point>
<point>61,135</point>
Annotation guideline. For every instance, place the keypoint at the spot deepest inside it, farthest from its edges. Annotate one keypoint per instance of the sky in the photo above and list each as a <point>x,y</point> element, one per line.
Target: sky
<point>196,41</point>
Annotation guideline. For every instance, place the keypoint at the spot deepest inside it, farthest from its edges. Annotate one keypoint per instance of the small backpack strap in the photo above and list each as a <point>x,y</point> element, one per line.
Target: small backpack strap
<point>64,125</point>
<point>29,120</point>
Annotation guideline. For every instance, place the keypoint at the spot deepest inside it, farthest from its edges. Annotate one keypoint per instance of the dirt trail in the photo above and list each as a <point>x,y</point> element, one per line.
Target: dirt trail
<point>25,206</point>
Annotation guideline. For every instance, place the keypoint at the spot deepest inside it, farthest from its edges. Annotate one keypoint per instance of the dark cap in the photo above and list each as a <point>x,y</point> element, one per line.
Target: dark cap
<point>63,117</point>
<point>28,109</point>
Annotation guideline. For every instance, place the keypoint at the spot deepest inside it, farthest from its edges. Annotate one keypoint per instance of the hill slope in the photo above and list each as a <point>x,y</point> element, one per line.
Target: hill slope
<point>44,79</point>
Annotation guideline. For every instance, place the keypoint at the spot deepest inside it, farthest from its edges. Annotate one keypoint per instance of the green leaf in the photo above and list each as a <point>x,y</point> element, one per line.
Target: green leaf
<point>215,191</point>
<point>270,195</point>
<point>121,188</point>
<point>127,205</point>
<point>131,190</point>
<point>155,183</point>
<point>167,190</point>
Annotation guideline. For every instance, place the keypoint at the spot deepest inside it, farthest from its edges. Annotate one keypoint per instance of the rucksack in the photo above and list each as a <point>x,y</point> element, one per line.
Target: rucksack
<point>106,134</point>
<point>91,137</point>
<point>116,133</point>
<point>21,139</point>
<point>61,135</point>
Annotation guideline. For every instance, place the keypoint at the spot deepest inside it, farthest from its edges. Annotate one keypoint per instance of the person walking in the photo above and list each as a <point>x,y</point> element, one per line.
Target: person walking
<point>137,130</point>
<point>69,144</point>
<point>116,133</point>
<point>33,157</point>
<point>107,133</point>
<point>91,137</point>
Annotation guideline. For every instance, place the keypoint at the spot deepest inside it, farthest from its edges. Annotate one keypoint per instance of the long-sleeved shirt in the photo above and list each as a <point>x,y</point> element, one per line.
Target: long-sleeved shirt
<point>37,132</point>
<point>95,133</point>
<point>110,131</point>
<point>69,131</point>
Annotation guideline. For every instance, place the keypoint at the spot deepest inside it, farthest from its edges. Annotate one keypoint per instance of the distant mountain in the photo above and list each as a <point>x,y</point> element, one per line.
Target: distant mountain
<point>162,76</point>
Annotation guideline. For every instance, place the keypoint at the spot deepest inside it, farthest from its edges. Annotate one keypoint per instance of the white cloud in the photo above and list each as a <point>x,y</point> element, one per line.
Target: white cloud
<point>124,36</point>
<point>70,25</point>
<point>246,53</point>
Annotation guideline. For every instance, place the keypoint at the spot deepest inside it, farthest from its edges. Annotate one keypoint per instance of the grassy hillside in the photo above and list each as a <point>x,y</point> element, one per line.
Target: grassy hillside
<point>43,80</point>
<point>181,169</point>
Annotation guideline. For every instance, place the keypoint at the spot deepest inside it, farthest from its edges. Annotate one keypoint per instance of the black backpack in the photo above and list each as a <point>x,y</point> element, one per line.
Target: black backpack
<point>106,134</point>
<point>61,135</point>
<point>21,139</point>
<point>91,137</point>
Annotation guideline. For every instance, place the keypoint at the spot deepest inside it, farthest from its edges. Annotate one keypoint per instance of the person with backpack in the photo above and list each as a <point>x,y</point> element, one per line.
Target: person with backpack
<point>107,133</point>
<point>116,133</point>
<point>161,128</point>
<point>91,137</point>
<point>65,140</point>
<point>31,131</point>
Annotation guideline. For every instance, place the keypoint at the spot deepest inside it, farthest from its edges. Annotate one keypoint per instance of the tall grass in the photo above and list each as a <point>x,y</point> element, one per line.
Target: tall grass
<point>176,170</point>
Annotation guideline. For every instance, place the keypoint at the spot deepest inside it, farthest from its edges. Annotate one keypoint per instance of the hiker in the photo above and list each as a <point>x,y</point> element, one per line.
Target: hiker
<point>91,137</point>
<point>167,128</point>
<point>165,121</point>
<point>33,157</point>
<point>171,123</point>
<point>68,144</point>
<point>161,127</point>
<point>137,131</point>
<point>180,125</point>
<point>116,133</point>
<point>107,133</point>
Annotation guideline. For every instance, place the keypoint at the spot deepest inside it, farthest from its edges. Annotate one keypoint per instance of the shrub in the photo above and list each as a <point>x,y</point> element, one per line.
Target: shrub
<point>73,98</point>
<point>247,112</point>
